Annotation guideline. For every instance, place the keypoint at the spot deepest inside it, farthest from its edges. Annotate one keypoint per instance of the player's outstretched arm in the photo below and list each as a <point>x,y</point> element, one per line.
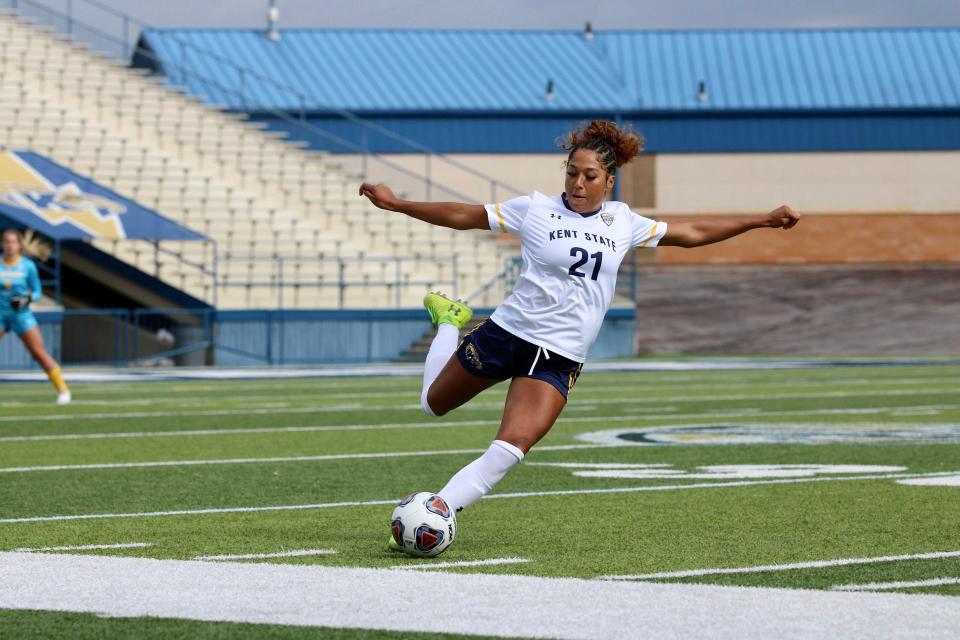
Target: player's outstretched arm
<point>697,234</point>
<point>455,215</point>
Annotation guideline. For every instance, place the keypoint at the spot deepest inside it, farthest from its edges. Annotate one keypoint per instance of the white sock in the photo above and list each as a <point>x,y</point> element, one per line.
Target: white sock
<point>480,476</point>
<point>442,347</point>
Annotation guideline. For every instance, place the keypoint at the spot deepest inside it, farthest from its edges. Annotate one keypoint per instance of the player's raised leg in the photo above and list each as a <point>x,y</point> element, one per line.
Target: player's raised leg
<point>531,409</point>
<point>446,384</point>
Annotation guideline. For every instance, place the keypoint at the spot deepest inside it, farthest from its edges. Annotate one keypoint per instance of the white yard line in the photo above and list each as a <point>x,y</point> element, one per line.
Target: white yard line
<point>480,405</point>
<point>815,564</point>
<point>298,553</point>
<point>659,413</point>
<point>88,547</point>
<point>456,603</point>
<point>177,414</point>
<point>304,429</point>
<point>195,512</point>
<point>265,379</point>
<point>417,565</point>
<point>889,586</point>
<point>226,392</point>
<point>275,460</point>
<point>526,494</point>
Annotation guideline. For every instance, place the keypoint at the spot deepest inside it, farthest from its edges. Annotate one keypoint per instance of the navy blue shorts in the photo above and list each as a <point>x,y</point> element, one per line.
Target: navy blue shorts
<point>490,351</point>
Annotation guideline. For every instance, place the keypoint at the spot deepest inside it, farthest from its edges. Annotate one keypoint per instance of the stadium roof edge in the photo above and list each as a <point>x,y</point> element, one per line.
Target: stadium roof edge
<point>564,31</point>
<point>507,71</point>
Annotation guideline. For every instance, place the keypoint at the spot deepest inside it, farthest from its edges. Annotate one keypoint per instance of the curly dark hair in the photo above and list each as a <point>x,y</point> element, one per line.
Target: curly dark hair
<point>615,145</point>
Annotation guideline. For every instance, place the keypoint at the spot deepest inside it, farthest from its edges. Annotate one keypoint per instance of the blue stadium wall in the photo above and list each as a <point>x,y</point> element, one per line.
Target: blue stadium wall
<point>300,337</point>
<point>665,133</point>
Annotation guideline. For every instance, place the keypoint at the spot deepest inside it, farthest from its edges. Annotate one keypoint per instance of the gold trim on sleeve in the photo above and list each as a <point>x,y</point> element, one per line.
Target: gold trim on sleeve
<point>649,237</point>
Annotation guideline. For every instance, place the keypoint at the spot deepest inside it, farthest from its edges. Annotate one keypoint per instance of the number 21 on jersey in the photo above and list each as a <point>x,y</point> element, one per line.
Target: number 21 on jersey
<point>584,257</point>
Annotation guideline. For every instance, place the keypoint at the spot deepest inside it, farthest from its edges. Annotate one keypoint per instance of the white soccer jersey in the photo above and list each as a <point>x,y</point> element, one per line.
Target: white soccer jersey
<point>570,265</point>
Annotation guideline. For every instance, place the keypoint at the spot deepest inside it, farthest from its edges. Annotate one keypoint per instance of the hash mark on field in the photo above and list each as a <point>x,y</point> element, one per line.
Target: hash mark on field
<point>88,547</point>
<point>815,564</point>
<point>944,481</point>
<point>532,494</point>
<point>298,553</point>
<point>889,586</point>
<point>420,566</point>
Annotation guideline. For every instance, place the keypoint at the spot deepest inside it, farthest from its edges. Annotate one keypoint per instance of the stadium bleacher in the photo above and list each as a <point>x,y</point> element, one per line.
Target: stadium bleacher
<point>288,225</point>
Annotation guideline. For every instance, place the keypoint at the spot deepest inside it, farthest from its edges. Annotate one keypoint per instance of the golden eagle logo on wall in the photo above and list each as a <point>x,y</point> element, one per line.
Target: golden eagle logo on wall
<point>22,186</point>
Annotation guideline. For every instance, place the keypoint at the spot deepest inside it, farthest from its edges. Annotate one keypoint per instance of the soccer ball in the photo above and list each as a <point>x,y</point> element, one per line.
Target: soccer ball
<point>423,525</point>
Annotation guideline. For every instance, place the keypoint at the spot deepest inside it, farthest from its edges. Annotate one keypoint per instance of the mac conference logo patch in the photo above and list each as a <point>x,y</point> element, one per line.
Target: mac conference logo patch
<point>607,218</point>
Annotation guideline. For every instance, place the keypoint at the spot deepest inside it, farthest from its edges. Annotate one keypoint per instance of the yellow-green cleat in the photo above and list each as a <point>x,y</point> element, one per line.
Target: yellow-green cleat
<point>393,546</point>
<point>443,310</point>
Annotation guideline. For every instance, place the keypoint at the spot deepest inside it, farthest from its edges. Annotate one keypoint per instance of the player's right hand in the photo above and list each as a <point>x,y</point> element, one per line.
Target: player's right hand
<point>19,303</point>
<point>380,195</point>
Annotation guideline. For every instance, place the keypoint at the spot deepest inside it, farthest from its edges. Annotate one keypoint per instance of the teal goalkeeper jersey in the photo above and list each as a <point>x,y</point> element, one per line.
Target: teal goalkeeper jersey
<point>19,279</point>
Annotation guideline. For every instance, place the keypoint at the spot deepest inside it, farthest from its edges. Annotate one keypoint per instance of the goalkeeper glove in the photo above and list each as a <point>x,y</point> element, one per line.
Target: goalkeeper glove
<point>19,303</point>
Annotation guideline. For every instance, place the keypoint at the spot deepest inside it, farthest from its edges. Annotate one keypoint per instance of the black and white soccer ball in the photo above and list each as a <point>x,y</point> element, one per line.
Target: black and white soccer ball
<point>423,524</point>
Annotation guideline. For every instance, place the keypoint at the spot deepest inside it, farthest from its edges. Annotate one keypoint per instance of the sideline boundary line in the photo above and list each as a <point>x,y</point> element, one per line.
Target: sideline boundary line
<point>572,609</point>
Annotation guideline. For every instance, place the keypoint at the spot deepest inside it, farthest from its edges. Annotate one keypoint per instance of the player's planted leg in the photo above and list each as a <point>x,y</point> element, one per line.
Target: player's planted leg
<point>480,476</point>
<point>531,409</point>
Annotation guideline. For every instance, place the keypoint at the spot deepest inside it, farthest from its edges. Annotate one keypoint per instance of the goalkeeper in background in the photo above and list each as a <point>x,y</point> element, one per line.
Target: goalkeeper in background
<point>19,286</point>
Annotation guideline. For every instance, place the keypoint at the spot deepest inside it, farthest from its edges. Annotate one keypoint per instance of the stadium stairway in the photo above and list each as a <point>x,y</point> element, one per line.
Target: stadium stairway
<point>288,224</point>
<point>417,351</point>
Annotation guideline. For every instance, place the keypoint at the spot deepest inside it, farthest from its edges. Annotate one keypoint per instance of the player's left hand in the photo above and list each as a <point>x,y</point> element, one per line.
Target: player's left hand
<point>783,217</point>
<point>19,303</point>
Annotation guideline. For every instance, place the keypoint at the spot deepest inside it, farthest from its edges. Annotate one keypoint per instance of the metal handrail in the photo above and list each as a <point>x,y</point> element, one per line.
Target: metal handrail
<point>506,277</point>
<point>70,20</point>
<point>342,282</point>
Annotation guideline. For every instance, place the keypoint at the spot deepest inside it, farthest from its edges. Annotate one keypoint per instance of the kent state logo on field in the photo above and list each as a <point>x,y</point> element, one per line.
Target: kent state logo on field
<point>774,433</point>
<point>57,200</point>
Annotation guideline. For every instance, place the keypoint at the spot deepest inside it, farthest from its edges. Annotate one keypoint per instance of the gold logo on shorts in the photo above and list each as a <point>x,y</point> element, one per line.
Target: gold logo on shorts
<point>473,357</point>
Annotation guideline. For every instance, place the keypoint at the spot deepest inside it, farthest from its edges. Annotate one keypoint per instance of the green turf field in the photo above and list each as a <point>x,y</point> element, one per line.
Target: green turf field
<point>830,479</point>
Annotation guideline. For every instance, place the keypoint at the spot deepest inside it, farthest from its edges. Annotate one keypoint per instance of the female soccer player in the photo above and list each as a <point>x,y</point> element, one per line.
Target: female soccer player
<point>19,286</point>
<point>572,246</point>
